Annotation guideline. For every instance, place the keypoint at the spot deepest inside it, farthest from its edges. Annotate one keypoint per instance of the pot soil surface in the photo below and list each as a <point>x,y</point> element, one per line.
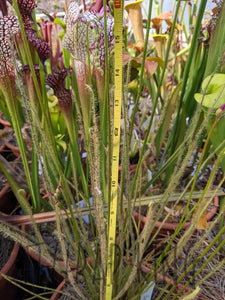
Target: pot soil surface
<point>6,246</point>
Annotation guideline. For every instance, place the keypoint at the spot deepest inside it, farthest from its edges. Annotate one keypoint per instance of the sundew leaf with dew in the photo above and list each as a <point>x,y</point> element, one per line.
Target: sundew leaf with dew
<point>167,116</point>
<point>213,91</point>
<point>218,136</point>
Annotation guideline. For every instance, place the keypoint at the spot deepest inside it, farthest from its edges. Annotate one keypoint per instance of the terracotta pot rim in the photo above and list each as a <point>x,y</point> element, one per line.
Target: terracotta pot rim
<point>15,149</point>
<point>39,258</point>
<point>56,295</point>
<point>2,147</point>
<point>46,263</point>
<point>10,262</point>
<point>4,190</point>
<point>173,226</point>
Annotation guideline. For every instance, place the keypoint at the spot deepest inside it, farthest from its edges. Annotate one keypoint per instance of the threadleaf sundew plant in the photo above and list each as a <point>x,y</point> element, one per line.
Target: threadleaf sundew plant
<point>57,84</point>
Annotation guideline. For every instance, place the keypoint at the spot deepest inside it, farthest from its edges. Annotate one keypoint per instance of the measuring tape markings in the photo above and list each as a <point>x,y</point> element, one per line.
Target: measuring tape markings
<point>118,42</point>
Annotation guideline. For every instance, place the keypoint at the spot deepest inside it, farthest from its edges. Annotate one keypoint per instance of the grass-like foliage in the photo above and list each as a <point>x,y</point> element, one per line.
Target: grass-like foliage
<point>57,81</point>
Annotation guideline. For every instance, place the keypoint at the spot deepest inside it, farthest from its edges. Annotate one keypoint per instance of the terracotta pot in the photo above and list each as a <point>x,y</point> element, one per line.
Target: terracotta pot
<point>9,152</point>
<point>56,295</point>
<point>46,263</point>
<point>7,289</point>
<point>2,148</point>
<point>173,226</point>
<point>4,196</point>
<point>15,149</point>
<point>40,259</point>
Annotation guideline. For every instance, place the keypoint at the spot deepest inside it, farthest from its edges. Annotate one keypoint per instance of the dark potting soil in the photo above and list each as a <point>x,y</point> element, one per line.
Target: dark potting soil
<point>6,246</point>
<point>6,152</point>
<point>2,181</point>
<point>31,271</point>
<point>49,234</point>
<point>51,239</point>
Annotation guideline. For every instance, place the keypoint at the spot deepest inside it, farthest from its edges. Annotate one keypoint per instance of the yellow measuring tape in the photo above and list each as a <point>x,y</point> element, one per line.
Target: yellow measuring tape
<point>118,42</point>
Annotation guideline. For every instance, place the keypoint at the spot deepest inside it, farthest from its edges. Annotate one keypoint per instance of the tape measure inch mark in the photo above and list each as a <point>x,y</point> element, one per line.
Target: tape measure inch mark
<point>118,69</point>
